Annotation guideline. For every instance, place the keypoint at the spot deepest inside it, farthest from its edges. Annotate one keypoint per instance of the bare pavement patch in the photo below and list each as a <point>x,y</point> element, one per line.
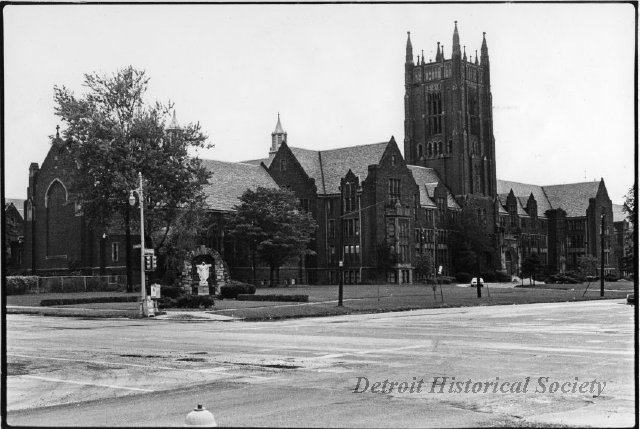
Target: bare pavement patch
<point>310,372</point>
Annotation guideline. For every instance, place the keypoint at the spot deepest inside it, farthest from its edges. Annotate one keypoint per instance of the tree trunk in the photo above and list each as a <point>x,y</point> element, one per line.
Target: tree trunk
<point>253,264</point>
<point>271,275</point>
<point>129,250</point>
<point>277,275</point>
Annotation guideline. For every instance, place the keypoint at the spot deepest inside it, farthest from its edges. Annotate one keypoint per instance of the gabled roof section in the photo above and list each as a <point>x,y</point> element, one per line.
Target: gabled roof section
<point>230,180</point>
<point>267,161</point>
<point>336,163</point>
<point>522,206</point>
<point>524,190</point>
<point>573,198</point>
<point>427,180</point>
<point>17,203</point>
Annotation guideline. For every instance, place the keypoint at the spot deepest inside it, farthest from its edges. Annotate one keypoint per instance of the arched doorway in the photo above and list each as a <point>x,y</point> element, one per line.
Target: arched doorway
<point>508,263</point>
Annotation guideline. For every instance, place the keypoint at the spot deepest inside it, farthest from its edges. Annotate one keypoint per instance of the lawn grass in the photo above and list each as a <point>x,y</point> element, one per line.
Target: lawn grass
<point>357,299</point>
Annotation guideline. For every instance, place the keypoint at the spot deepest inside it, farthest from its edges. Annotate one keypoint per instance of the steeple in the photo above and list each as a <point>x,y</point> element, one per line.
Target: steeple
<point>57,132</point>
<point>484,52</point>
<point>278,136</point>
<point>456,40</point>
<point>409,57</point>
<point>173,125</point>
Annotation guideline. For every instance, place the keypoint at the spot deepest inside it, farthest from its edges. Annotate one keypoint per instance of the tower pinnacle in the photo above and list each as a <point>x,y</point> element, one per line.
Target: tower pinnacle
<point>409,56</point>
<point>456,40</point>
<point>278,136</point>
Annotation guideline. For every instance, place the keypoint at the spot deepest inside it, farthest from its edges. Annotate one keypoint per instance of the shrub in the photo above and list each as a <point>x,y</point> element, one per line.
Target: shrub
<point>20,285</point>
<point>166,302</point>
<point>502,276</point>
<point>195,301</point>
<point>488,276</point>
<point>98,299</point>
<point>171,291</point>
<point>233,290</point>
<point>611,277</point>
<point>279,298</point>
<point>445,280</point>
<point>463,277</point>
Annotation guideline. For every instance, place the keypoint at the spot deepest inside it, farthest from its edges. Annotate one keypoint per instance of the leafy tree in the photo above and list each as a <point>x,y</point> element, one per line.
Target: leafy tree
<point>469,242</point>
<point>629,207</point>
<point>588,265</point>
<point>112,134</point>
<point>424,265</point>
<point>271,223</point>
<point>531,266</point>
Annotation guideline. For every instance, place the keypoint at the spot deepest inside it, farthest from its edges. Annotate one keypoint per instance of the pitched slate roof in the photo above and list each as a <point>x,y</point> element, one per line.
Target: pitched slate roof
<point>573,198</point>
<point>524,190</point>
<point>502,200</point>
<point>267,161</point>
<point>229,181</point>
<point>17,203</point>
<point>427,180</point>
<point>336,163</point>
<point>618,214</point>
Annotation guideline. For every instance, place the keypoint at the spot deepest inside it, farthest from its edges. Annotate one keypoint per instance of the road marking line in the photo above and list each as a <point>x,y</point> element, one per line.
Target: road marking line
<point>111,386</point>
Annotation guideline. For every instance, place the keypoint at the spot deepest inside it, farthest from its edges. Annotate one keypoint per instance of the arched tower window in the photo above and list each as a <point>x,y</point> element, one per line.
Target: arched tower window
<point>419,151</point>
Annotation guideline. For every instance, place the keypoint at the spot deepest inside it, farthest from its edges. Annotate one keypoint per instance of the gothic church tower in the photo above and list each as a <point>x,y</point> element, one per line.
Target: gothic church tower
<point>448,118</point>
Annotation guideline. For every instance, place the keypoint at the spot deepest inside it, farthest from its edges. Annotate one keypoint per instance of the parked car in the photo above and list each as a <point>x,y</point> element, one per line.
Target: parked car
<point>631,299</point>
<point>611,278</point>
<point>474,282</point>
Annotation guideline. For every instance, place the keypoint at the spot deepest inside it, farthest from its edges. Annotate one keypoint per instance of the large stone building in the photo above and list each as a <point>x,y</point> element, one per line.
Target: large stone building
<point>370,200</point>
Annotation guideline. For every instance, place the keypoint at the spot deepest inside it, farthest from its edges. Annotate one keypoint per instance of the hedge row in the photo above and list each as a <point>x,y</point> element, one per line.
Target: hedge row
<point>187,301</point>
<point>73,301</point>
<point>232,291</point>
<point>277,298</point>
<point>20,285</point>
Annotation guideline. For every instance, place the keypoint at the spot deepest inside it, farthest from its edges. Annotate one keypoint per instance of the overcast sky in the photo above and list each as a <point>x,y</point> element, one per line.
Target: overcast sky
<point>561,76</point>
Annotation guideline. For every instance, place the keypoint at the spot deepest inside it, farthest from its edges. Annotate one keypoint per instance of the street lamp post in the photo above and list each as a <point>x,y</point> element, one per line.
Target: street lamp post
<point>132,201</point>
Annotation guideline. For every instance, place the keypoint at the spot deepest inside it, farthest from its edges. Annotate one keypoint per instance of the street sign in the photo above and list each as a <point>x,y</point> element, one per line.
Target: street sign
<point>149,251</point>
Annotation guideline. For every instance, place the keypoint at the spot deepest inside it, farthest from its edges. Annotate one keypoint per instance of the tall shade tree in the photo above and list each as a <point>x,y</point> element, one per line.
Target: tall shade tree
<point>273,226</point>
<point>112,134</point>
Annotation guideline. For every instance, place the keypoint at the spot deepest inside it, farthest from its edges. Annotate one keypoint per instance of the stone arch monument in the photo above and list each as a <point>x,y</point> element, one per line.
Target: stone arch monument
<point>204,271</point>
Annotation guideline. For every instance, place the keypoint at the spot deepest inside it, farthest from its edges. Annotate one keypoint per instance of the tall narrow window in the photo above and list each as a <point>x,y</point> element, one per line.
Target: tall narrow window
<point>394,190</point>
<point>283,165</point>
<point>115,252</point>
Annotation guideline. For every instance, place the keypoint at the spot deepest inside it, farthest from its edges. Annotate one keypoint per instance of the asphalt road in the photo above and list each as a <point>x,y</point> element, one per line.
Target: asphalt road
<point>321,371</point>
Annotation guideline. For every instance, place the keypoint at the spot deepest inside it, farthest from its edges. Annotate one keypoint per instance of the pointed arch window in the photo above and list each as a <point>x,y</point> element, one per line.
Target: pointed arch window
<point>429,150</point>
<point>419,151</point>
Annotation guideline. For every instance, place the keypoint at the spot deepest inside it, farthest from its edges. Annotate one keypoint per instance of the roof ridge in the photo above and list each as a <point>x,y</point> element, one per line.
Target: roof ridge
<point>355,146</point>
<point>321,171</point>
<point>575,183</point>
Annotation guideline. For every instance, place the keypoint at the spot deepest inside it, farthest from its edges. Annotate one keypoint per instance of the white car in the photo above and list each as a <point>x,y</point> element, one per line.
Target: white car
<point>474,282</point>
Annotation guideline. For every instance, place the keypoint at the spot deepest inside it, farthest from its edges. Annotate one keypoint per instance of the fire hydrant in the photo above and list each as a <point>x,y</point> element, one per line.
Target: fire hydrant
<point>201,418</point>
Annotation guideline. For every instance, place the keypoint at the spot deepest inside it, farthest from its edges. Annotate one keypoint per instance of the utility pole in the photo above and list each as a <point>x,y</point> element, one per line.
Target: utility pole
<point>602,220</point>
